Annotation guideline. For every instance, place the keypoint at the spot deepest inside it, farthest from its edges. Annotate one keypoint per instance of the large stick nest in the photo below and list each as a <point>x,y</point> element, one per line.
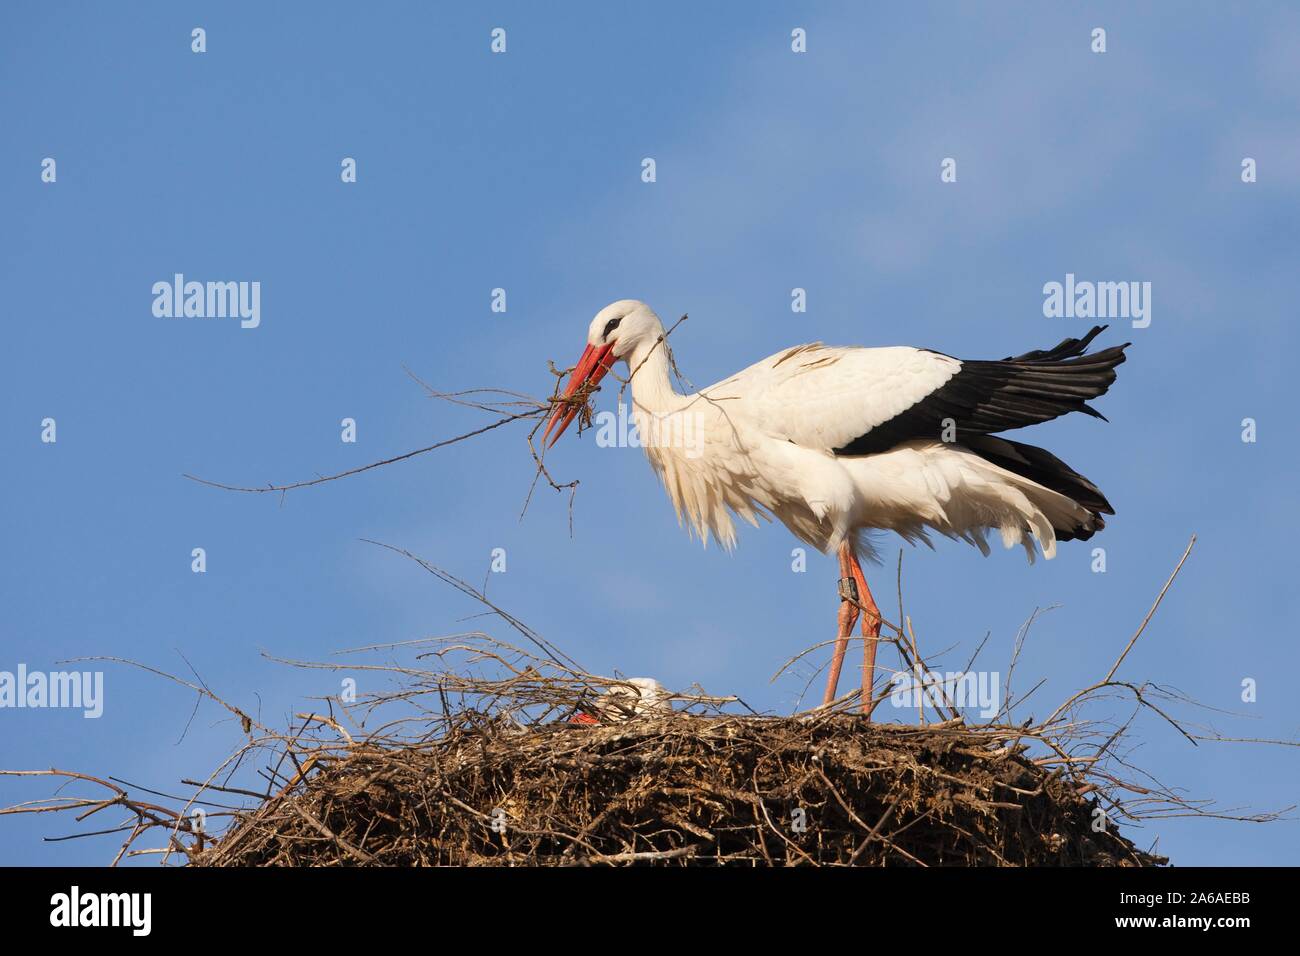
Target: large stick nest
<point>683,789</point>
<point>478,752</point>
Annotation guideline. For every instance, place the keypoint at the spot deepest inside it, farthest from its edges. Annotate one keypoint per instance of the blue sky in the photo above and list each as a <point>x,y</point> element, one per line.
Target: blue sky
<point>522,171</point>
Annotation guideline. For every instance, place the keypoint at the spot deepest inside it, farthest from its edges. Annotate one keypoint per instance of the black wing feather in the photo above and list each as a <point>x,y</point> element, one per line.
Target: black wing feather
<point>986,397</point>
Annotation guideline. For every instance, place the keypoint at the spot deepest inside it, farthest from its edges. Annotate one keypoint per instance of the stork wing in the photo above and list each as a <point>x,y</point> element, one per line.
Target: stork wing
<point>860,401</point>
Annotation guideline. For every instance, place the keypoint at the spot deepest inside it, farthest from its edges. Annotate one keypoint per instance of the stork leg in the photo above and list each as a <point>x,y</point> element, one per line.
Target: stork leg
<point>847,618</point>
<point>870,634</point>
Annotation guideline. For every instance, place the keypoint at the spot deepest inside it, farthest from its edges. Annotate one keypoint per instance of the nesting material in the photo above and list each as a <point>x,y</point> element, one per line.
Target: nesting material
<point>678,790</point>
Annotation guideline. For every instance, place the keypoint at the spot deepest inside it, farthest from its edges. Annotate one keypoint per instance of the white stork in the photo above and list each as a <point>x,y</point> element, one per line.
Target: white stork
<point>840,441</point>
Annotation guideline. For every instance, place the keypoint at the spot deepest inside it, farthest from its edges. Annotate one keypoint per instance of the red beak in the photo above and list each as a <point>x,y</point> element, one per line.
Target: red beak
<point>593,365</point>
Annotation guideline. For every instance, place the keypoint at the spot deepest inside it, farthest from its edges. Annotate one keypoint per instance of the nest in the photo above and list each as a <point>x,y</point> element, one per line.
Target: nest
<point>683,789</point>
<point>466,750</point>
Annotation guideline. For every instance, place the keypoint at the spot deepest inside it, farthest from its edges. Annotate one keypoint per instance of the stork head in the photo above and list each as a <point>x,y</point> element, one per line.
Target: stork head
<point>617,333</point>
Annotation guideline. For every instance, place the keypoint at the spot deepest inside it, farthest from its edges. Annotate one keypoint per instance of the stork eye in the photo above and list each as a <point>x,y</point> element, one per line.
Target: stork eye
<point>611,325</point>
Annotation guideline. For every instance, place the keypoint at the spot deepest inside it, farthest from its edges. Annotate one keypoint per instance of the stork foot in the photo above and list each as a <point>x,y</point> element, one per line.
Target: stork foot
<point>848,616</point>
<point>870,635</point>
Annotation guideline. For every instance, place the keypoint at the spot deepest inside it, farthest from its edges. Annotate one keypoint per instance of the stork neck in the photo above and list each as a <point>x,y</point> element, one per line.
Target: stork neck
<point>652,387</point>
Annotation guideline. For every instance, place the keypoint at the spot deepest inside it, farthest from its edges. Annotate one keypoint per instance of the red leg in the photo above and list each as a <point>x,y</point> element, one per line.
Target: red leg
<point>870,635</point>
<point>848,616</point>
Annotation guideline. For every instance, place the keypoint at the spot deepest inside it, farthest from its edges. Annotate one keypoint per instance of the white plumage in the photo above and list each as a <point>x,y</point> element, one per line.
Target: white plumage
<point>835,442</point>
<point>635,697</point>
